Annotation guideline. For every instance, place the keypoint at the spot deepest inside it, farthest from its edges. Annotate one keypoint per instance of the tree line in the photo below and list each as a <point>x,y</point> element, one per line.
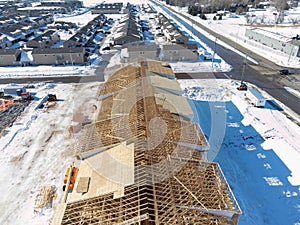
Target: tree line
<point>198,7</point>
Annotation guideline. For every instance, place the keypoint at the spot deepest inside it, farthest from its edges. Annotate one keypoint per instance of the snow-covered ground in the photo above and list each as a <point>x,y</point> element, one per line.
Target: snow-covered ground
<point>41,71</point>
<point>257,148</point>
<point>80,20</point>
<point>38,149</point>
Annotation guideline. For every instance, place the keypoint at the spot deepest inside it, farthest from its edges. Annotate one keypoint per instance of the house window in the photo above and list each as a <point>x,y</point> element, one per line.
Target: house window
<point>142,53</point>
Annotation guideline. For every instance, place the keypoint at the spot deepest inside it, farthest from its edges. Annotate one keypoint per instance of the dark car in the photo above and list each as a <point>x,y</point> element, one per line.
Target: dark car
<point>284,72</point>
<point>242,87</point>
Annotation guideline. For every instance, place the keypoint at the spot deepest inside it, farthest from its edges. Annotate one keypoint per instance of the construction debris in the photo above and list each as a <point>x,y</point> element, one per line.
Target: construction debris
<point>8,116</point>
<point>52,98</point>
<point>45,196</point>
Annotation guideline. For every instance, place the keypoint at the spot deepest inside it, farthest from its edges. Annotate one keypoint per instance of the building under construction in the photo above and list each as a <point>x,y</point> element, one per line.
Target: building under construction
<point>143,161</point>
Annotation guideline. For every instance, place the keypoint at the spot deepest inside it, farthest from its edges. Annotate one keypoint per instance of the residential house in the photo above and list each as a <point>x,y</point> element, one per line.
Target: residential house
<point>83,36</point>
<point>86,34</point>
<point>45,40</point>
<point>148,8</point>
<point>4,41</point>
<point>39,22</point>
<point>16,33</point>
<point>69,5</point>
<point>178,53</point>
<point>108,8</point>
<point>58,56</point>
<point>10,57</point>
<point>171,32</point>
<point>62,25</point>
<point>180,38</point>
<point>128,32</point>
<point>75,41</point>
<point>48,18</point>
<point>125,38</point>
<point>131,52</point>
<point>7,21</point>
<point>149,51</point>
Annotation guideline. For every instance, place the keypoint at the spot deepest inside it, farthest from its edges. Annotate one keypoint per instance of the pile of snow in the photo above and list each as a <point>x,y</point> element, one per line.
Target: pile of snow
<point>194,67</point>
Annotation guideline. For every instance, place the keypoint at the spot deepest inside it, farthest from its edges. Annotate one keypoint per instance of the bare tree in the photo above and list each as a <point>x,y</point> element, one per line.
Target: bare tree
<point>293,20</point>
<point>281,5</point>
<point>262,18</point>
<point>279,17</point>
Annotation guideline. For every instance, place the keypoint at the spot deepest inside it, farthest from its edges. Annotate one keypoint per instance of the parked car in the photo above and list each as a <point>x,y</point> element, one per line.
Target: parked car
<point>284,72</point>
<point>242,87</point>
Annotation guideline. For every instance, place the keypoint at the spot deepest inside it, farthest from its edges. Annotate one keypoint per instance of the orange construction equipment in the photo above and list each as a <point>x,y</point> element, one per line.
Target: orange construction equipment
<point>4,104</point>
<point>73,177</point>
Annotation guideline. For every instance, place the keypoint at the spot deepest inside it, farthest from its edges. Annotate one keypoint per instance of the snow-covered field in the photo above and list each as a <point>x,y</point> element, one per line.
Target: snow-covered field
<point>42,71</point>
<point>257,148</point>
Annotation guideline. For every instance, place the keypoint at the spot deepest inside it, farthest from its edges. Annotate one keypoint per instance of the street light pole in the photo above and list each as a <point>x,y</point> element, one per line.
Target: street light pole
<point>213,58</point>
<point>244,66</point>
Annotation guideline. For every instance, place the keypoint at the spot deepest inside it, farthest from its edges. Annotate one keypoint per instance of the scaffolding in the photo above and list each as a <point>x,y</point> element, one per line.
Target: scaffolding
<point>173,181</point>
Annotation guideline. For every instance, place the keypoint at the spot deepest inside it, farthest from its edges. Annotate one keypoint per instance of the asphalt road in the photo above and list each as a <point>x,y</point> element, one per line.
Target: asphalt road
<point>264,75</point>
<point>62,79</point>
<point>99,76</point>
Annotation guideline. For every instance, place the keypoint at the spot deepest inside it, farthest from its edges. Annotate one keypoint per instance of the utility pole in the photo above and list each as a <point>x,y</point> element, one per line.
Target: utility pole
<point>213,58</point>
<point>244,66</point>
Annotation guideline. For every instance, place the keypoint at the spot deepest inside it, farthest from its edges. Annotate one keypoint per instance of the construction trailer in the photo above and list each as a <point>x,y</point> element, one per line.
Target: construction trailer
<point>256,98</point>
<point>13,89</point>
<point>143,161</point>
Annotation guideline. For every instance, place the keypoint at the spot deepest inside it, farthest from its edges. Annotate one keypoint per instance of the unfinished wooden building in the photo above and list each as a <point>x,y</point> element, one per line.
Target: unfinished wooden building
<point>143,161</point>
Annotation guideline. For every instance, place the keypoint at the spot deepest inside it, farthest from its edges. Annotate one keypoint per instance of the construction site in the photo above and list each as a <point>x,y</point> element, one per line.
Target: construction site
<point>11,106</point>
<point>143,160</point>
